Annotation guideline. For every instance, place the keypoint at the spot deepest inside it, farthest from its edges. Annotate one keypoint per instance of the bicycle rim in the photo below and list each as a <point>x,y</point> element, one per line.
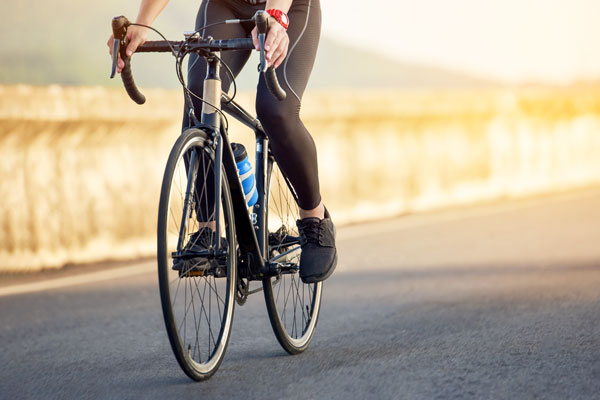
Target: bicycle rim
<point>198,299</point>
<point>293,306</point>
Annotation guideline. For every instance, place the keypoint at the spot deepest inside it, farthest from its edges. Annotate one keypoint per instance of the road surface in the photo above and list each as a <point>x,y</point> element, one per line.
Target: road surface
<point>497,301</point>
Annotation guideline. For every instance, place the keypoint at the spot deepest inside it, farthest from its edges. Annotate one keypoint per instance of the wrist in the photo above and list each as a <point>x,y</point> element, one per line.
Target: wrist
<point>280,17</point>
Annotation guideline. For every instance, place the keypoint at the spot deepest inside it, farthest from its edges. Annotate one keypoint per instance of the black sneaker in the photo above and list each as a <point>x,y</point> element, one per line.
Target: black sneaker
<point>319,255</point>
<point>199,241</point>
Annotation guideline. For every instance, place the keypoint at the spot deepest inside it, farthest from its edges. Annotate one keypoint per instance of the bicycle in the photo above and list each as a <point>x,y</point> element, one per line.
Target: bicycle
<point>202,199</point>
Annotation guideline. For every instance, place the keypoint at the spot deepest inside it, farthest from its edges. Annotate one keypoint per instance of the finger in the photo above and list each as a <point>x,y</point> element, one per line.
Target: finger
<point>271,37</point>
<point>136,38</point>
<point>275,46</point>
<point>278,58</point>
<point>275,54</point>
<point>110,44</point>
<point>133,45</point>
<point>281,52</point>
<point>275,33</point>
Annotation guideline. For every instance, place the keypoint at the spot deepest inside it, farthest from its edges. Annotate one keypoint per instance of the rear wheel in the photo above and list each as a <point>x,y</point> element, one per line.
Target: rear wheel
<point>293,306</point>
<point>197,282</point>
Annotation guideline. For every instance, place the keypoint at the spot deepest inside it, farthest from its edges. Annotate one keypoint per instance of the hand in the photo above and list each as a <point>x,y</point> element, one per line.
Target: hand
<point>136,36</point>
<point>276,44</point>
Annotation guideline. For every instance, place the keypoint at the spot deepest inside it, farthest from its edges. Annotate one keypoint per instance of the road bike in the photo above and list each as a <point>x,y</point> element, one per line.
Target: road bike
<point>210,246</point>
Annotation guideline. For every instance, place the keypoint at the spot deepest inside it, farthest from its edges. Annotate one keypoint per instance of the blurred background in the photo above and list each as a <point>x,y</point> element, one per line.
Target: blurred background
<point>413,105</point>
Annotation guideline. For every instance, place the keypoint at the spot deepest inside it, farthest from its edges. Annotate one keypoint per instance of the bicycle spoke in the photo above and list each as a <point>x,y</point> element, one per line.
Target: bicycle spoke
<point>294,298</point>
<point>214,289</point>
<point>297,301</point>
<point>176,290</point>
<point>210,335</point>
<point>293,304</point>
<point>197,326</point>
<point>186,307</point>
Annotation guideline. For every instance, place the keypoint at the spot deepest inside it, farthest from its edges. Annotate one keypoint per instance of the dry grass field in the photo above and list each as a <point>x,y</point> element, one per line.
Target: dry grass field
<point>81,167</point>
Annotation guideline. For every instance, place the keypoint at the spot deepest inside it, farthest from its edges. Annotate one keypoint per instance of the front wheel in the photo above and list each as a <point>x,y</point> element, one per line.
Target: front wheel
<point>197,279</point>
<point>293,306</point>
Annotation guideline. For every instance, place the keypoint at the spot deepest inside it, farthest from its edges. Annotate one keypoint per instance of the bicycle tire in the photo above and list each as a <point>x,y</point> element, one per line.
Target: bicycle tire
<point>293,306</point>
<point>198,321</point>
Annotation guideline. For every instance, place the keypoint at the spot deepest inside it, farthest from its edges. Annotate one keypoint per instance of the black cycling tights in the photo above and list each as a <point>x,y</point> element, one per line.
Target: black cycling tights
<point>290,141</point>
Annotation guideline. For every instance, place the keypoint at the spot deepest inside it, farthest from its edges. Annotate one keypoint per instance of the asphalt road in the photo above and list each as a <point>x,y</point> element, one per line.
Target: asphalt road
<point>499,301</point>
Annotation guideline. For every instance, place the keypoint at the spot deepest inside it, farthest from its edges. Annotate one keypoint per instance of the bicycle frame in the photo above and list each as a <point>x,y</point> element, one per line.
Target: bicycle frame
<point>250,229</point>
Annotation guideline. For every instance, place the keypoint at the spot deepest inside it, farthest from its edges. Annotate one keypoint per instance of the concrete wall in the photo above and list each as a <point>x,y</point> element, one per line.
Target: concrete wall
<point>81,167</point>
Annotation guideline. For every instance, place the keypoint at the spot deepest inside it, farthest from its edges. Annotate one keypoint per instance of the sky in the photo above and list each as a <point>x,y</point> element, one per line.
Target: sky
<point>515,41</point>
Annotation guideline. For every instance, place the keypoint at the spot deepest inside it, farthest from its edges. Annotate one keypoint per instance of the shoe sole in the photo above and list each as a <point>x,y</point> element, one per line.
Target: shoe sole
<point>320,278</point>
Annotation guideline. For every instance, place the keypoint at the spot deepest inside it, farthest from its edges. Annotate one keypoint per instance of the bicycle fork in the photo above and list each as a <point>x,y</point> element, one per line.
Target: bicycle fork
<point>189,198</point>
<point>212,97</point>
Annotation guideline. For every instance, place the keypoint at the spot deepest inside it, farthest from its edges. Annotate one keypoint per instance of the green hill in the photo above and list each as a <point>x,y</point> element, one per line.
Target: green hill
<point>64,42</point>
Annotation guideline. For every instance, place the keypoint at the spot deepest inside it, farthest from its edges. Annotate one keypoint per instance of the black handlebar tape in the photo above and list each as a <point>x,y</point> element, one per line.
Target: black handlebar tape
<point>242,44</point>
<point>119,27</point>
<point>237,44</point>
<point>132,90</point>
<point>159,46</point>
<point>273,84</point>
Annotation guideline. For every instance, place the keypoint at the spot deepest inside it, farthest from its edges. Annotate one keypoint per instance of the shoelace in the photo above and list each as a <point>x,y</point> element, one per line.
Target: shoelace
<point>311,231</point>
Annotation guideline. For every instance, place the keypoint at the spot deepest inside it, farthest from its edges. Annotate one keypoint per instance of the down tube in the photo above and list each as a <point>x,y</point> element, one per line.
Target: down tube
<point>259,209</point>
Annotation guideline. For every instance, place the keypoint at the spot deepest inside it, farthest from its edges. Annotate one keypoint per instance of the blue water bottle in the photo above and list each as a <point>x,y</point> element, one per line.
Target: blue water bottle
<point>245,172</point>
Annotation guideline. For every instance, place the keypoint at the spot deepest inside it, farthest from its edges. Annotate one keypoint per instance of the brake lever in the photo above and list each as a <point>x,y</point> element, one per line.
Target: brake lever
<point>115,57</point>
<point>263,58</point>
<point>261,19</point>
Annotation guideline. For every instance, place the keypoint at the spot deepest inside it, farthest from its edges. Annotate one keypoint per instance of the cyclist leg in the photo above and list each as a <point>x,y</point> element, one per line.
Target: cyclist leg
<point>292,144</point>
<point>290,141</point>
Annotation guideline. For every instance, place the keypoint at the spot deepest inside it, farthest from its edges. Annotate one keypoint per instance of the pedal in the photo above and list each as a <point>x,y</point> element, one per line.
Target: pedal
<point>289,267</point>
<point>193,273</point>
<point>271,269</point>
<point>192,267</point>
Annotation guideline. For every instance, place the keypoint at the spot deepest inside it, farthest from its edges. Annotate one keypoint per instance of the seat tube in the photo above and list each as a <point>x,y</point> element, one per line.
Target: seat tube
<point>211,117</point>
